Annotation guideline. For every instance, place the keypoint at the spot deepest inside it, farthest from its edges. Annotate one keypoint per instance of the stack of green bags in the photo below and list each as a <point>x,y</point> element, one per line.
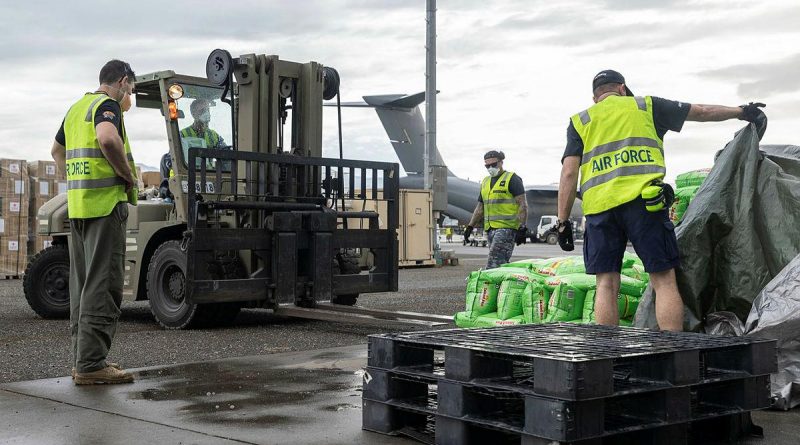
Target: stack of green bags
<point>686,185</point>
<point>545,290</point>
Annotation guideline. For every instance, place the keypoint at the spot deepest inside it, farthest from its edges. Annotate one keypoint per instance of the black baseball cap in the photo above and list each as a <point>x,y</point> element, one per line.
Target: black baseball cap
<point>609,76</point>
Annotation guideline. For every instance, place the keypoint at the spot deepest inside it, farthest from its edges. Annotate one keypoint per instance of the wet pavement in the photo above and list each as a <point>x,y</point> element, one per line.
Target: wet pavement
<point>303,397</point>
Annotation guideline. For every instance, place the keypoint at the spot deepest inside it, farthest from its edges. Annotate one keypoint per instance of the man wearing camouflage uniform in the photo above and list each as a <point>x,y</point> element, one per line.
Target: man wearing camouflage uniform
<point>503,209</point>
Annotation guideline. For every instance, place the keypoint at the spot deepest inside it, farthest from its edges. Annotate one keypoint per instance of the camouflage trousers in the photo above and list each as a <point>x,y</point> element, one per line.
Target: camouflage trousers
<point>501,246</point>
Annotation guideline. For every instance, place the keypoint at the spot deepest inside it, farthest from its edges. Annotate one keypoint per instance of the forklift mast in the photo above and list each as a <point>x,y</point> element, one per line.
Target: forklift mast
<point>270,219</point>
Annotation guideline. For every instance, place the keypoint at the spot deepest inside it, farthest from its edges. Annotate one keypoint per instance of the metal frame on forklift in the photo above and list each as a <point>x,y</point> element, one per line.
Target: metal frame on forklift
<point>291,236</point>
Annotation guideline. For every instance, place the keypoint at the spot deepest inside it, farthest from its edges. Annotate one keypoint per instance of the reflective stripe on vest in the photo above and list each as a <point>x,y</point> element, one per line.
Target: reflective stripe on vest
<point>499,206</point>
<point>622,153</point>
<point>93,187</point>
<point>209,136</point>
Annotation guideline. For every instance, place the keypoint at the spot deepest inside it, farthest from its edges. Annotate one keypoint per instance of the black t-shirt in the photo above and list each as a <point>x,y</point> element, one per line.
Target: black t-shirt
<point>108,111</point>
<point>515,186</point>
<point>667,115</point>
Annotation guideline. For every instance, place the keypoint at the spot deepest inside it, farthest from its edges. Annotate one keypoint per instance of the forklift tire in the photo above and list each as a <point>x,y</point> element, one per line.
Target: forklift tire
<point>552,238</point>
<point>166,290</point>
<point>345,264</point>
<point>46,282</point>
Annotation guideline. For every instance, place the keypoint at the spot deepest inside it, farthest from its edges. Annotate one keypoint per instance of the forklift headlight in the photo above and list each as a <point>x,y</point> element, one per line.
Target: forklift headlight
<point>175,91</point>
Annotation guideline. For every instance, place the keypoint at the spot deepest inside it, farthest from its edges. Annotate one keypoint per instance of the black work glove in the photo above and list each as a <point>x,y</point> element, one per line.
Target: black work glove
<point>752,112</point>
<point>565,240</point>
<point>467,233</point>
<point>521,237</point>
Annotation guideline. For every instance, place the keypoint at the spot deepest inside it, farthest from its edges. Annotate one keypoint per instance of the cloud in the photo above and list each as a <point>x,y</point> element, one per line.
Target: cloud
<point>761,79</point>
<point>510,72</point>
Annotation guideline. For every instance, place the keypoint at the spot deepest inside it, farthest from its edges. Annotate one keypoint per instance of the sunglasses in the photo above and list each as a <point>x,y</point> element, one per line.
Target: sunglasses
<point>493,164</point>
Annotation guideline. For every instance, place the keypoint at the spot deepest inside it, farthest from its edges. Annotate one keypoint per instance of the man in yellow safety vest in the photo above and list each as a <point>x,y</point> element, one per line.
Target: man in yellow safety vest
<point>617,147</point>
<point>92,146</point>
<point>502,209</point>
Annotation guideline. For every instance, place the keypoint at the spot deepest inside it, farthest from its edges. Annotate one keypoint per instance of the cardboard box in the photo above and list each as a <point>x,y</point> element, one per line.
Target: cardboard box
<point>13,226</point>
<point>151,179</point>
<point>13,168</point>
<point>14,206</point>
<point>44,170</point>
<point>13,255</point>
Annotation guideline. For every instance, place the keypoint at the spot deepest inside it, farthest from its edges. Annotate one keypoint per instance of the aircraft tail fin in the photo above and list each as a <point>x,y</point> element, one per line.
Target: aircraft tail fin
<point>405,126</point>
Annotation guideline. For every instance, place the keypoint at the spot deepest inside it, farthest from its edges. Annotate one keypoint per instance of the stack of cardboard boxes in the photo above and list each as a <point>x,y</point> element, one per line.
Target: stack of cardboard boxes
<point>45,183</point>
<point>14,212</point>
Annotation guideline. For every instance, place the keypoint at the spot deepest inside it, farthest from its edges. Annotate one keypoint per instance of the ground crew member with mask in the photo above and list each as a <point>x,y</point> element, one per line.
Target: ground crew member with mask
<point>93,147</point>
<point>617,146</point>
<point>502,208</point>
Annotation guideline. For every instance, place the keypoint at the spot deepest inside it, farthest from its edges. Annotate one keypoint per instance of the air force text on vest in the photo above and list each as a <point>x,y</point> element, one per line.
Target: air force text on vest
<point>75,168</point>
<point>609,161</point>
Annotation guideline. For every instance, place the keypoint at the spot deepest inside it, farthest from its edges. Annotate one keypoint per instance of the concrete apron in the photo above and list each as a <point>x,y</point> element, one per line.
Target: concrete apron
<point>298,397</point>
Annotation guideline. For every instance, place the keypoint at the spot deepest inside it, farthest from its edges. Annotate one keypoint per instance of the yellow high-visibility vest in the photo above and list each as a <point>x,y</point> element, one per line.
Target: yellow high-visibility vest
<point>93,188</point>
<point>499,206</point>
<point>622,152</point>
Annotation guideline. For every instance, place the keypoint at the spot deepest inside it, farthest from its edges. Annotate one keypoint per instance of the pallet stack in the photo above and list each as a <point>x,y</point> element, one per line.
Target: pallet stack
<point>565,383</point>
<point>14,193</point>
<point>45,183</point>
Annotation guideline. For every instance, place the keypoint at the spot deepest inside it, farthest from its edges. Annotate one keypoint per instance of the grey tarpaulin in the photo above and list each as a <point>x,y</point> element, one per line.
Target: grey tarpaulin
<point>776,314</point>
<point>739,232</point>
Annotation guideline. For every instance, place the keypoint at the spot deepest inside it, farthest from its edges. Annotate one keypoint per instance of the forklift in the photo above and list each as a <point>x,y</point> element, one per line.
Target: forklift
<point>260,222</point>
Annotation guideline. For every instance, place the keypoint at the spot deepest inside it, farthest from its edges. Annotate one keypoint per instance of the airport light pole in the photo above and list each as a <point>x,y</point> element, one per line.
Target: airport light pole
<point>430,104</point>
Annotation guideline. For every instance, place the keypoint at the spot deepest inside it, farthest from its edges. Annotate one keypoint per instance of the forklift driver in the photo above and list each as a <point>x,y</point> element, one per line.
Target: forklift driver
<point>199,128</point>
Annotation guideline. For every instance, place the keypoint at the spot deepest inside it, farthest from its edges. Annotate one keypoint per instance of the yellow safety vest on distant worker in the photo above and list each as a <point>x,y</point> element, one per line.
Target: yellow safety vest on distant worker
<point>499,206</point>
<point>622,152</point>
<point>93,188</point>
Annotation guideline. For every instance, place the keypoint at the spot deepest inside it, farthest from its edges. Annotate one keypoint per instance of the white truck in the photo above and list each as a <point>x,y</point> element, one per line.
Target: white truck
<point>545,232</point>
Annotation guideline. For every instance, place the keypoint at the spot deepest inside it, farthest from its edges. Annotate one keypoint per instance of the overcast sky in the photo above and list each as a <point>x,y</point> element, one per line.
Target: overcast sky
<point>510,72</point>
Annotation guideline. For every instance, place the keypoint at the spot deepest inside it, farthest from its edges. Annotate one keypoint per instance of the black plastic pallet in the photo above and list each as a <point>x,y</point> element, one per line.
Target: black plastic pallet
<point>444,430</point>
<point>563,420</point>
<point>573,361</point>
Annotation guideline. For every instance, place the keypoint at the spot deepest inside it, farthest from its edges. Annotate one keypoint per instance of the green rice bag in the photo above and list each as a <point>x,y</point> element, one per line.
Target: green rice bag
<point>626,323</point>
<point>509,297</point>
<point>580,280</point>
<point>491,320</point>
<point>588,307</point>
<point>534,303</point>
<point>566,303</point>
<point>627,285</point>
<point>465,319</point>
<point>530,264</point>
<point>626,306</point>
<point>481,294</point>
<point>637,272</point>
<point>563,266</point>
<point>692,178</point>
<point>629,259</point>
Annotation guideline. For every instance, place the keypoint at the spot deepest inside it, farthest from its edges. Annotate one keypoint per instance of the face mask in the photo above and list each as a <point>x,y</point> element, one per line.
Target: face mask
<point>205,117</point>
<point>125,103</point>
<point>122,96</point>
<point>493,171</point>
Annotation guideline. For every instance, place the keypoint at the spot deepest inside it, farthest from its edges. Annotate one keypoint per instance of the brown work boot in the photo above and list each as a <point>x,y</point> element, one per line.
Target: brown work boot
<point>111,364</point>
<point>107,375</point>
